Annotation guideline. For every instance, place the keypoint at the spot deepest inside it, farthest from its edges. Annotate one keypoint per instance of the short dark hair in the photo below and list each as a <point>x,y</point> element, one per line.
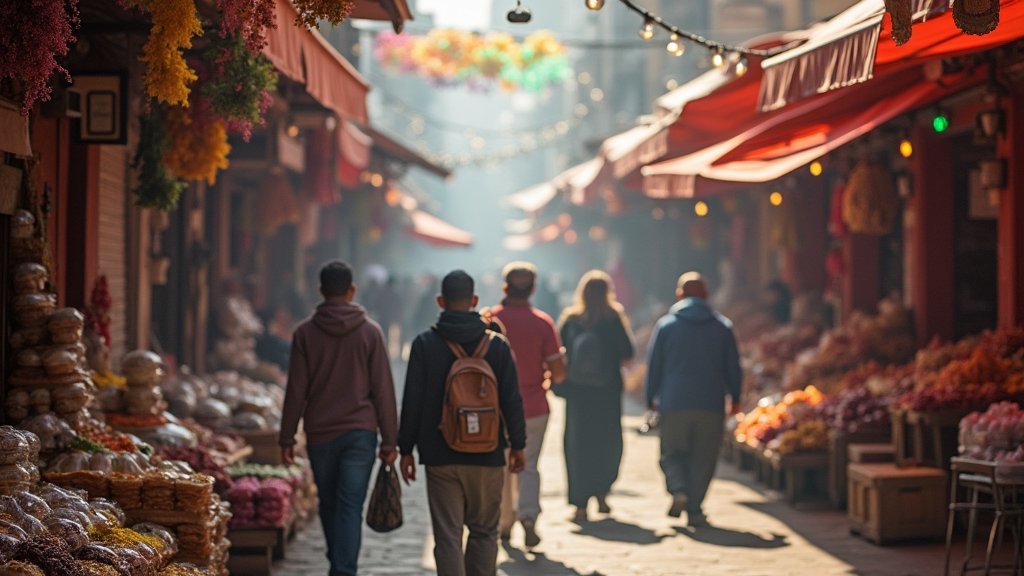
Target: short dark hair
<point>457,287</point>
<point>335,278</point>
<point>520,278</point>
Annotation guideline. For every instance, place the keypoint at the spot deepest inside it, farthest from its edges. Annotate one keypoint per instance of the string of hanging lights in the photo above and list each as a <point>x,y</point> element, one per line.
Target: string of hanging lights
<point>722,54</point>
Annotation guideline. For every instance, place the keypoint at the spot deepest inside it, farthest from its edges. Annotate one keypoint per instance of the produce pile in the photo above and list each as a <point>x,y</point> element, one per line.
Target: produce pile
<point>301,494</point>
<point>886,339</point>
<point>259,503</point>
<point>775,416</point>
<point>226,401</point>
<point>970,374</point>
<point>996,434</point>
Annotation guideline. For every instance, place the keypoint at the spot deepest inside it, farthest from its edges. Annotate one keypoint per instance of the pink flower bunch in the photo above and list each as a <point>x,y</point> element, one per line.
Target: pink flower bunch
<point>33,33</point>
<point>248,19</point>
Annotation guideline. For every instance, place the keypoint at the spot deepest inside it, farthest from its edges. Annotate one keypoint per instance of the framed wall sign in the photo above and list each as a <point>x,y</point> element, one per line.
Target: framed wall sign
<point>104,108</point>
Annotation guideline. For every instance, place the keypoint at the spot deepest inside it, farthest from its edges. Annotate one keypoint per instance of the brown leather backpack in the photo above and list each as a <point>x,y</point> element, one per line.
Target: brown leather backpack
<point>471,415</point>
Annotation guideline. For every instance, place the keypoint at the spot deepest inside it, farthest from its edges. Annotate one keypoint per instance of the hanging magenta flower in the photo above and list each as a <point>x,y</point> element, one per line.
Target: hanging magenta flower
<point>239,86</point>
<point>249,20</point>
<point>33,33</point>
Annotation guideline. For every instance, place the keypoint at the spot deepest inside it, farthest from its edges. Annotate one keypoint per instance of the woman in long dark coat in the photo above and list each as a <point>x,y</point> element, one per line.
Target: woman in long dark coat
<point>594,330</point>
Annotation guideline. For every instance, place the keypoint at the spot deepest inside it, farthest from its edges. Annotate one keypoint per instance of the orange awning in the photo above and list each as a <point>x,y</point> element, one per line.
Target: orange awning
<point>305,57</point>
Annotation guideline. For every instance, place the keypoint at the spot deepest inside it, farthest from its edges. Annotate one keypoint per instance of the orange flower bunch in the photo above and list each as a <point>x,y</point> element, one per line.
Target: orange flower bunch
<point>167,74</point>
<point>199,146</point>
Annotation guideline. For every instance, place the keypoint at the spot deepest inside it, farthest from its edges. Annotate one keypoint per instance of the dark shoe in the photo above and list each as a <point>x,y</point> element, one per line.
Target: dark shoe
<point>532,539</point>
<point>678,506</point>
<point>580,516</point>
<point>602,505</point>
<point>696,520</point>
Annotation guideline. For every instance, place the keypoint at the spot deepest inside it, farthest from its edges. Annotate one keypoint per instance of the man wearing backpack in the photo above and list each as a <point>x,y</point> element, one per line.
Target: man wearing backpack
<point>693,364</point>
<point>537,349</point>
<point>461,409</point>
<point>340,386</point>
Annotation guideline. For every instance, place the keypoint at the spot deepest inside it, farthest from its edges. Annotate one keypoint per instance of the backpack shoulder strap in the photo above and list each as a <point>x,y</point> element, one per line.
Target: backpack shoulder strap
<point>456,349</point>
<point>484,346</point>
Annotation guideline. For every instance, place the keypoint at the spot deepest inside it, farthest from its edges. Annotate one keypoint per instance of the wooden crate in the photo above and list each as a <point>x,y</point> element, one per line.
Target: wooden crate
<point>250,561</point>
<point>802,475</point>
<point>746,456</point>
<point>888,503</point>
<point>838,458</point>
<point>926,438</point>
<point>265,449</point>
<point>871,453</point>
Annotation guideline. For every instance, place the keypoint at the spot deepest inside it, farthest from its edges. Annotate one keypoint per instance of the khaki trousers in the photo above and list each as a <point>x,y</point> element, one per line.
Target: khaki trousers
<point>467,496</point>
<point>521,497</point>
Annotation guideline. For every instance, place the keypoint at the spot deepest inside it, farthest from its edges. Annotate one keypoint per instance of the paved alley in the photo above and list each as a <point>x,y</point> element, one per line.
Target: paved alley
<point>751,533</point>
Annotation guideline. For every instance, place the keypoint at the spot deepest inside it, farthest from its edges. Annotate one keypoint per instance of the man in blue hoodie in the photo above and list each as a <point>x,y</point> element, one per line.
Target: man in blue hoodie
<point>693,364</point>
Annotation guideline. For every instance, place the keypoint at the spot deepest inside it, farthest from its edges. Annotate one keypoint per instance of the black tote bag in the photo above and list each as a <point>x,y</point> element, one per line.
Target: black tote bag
<point>384,512</point>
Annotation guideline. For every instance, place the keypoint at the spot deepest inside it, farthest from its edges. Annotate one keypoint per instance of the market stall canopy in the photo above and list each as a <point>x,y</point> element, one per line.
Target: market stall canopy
<point>395,11</point>
<point>797,135</point>
<point>572,182</point>
<point>436,232</point>
<point>857,45</point>
<point>305,57</point>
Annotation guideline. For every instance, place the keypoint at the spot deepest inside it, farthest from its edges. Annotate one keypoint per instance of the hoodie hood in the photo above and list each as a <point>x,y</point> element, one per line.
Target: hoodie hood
<point>461,327</point>
<point>694,310</point>
<point>339,318</point>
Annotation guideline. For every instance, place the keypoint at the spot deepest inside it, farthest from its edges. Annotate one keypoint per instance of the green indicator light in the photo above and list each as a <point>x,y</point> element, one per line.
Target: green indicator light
<point>940,122</point>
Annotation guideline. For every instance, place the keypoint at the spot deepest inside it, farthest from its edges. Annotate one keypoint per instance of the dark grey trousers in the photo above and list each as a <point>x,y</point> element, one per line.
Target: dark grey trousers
<point>690,442</point>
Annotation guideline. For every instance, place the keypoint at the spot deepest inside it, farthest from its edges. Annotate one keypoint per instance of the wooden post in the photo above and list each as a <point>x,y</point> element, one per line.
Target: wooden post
<point>1011,217</point>
<point>928,237</point>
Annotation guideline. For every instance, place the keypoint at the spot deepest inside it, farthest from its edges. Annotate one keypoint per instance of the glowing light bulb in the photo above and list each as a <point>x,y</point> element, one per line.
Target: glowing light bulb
<point>775,198</point>
<point>293,131</point>
<point>741,67</point>
<point>674,46</point>
<point>700,208</point>
<point>816,168</point>
<point>595,5</point>
<point>906,148</point>
<point>647,31</point>
<point>718,59</point>
<point>940,122</point>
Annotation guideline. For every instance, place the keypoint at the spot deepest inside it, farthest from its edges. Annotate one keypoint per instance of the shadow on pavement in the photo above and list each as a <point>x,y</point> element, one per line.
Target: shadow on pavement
<point>718,536</point>
<point>612,530</point>
<point>520,563</point>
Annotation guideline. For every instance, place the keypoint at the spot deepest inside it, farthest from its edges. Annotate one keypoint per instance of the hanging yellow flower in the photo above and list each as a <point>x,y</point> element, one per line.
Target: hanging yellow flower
<point>198,149</point>
<point>167,74</point>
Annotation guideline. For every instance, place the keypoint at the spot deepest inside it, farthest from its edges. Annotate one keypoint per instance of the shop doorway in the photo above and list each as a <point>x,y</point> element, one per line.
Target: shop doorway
<point>975,240</point>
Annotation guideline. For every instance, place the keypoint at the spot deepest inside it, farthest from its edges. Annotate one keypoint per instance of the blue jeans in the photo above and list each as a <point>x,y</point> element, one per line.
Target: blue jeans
<point>342,470</point>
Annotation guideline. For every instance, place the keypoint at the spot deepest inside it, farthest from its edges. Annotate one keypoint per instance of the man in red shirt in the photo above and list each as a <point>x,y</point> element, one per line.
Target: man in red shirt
<point>538,352</point>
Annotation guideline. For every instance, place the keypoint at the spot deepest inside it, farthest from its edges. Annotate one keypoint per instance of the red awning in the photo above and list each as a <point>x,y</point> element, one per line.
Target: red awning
<point>395,11</point>
<point>393,148</point>
<point>434,231</point>
<point>284,43</point>
<point>797,135</point>
<point>305,57</point>
<point>331,80</point>
<point>857,45</point>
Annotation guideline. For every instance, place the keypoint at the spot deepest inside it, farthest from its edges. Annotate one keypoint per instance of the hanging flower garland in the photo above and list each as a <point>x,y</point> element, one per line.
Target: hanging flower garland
<point>249,20</point>
<point>311,12</point>
<point>168,76</point>
<point>33,33</point>
<point>240,86</point>
<point>870,202</point>
<point>448,57</point>
<point>199,143</point>
<point>156,187</point>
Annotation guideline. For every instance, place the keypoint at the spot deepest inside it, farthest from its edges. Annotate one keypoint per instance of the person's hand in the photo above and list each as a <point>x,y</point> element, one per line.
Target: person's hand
<point>388,457</point>
<point>288,455</point>
<point>408,466</point>
<point>516,461</point>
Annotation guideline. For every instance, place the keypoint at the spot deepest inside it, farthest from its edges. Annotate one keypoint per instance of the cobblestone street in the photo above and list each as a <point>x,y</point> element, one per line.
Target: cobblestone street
<point>751,533</point>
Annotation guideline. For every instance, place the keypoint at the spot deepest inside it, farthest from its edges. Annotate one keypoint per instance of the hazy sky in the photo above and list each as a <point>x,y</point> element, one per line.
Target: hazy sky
<point>463,14</point>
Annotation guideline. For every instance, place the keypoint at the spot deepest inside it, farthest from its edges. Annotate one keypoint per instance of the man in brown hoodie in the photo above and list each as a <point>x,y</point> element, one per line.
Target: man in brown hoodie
<point>340,386</point>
